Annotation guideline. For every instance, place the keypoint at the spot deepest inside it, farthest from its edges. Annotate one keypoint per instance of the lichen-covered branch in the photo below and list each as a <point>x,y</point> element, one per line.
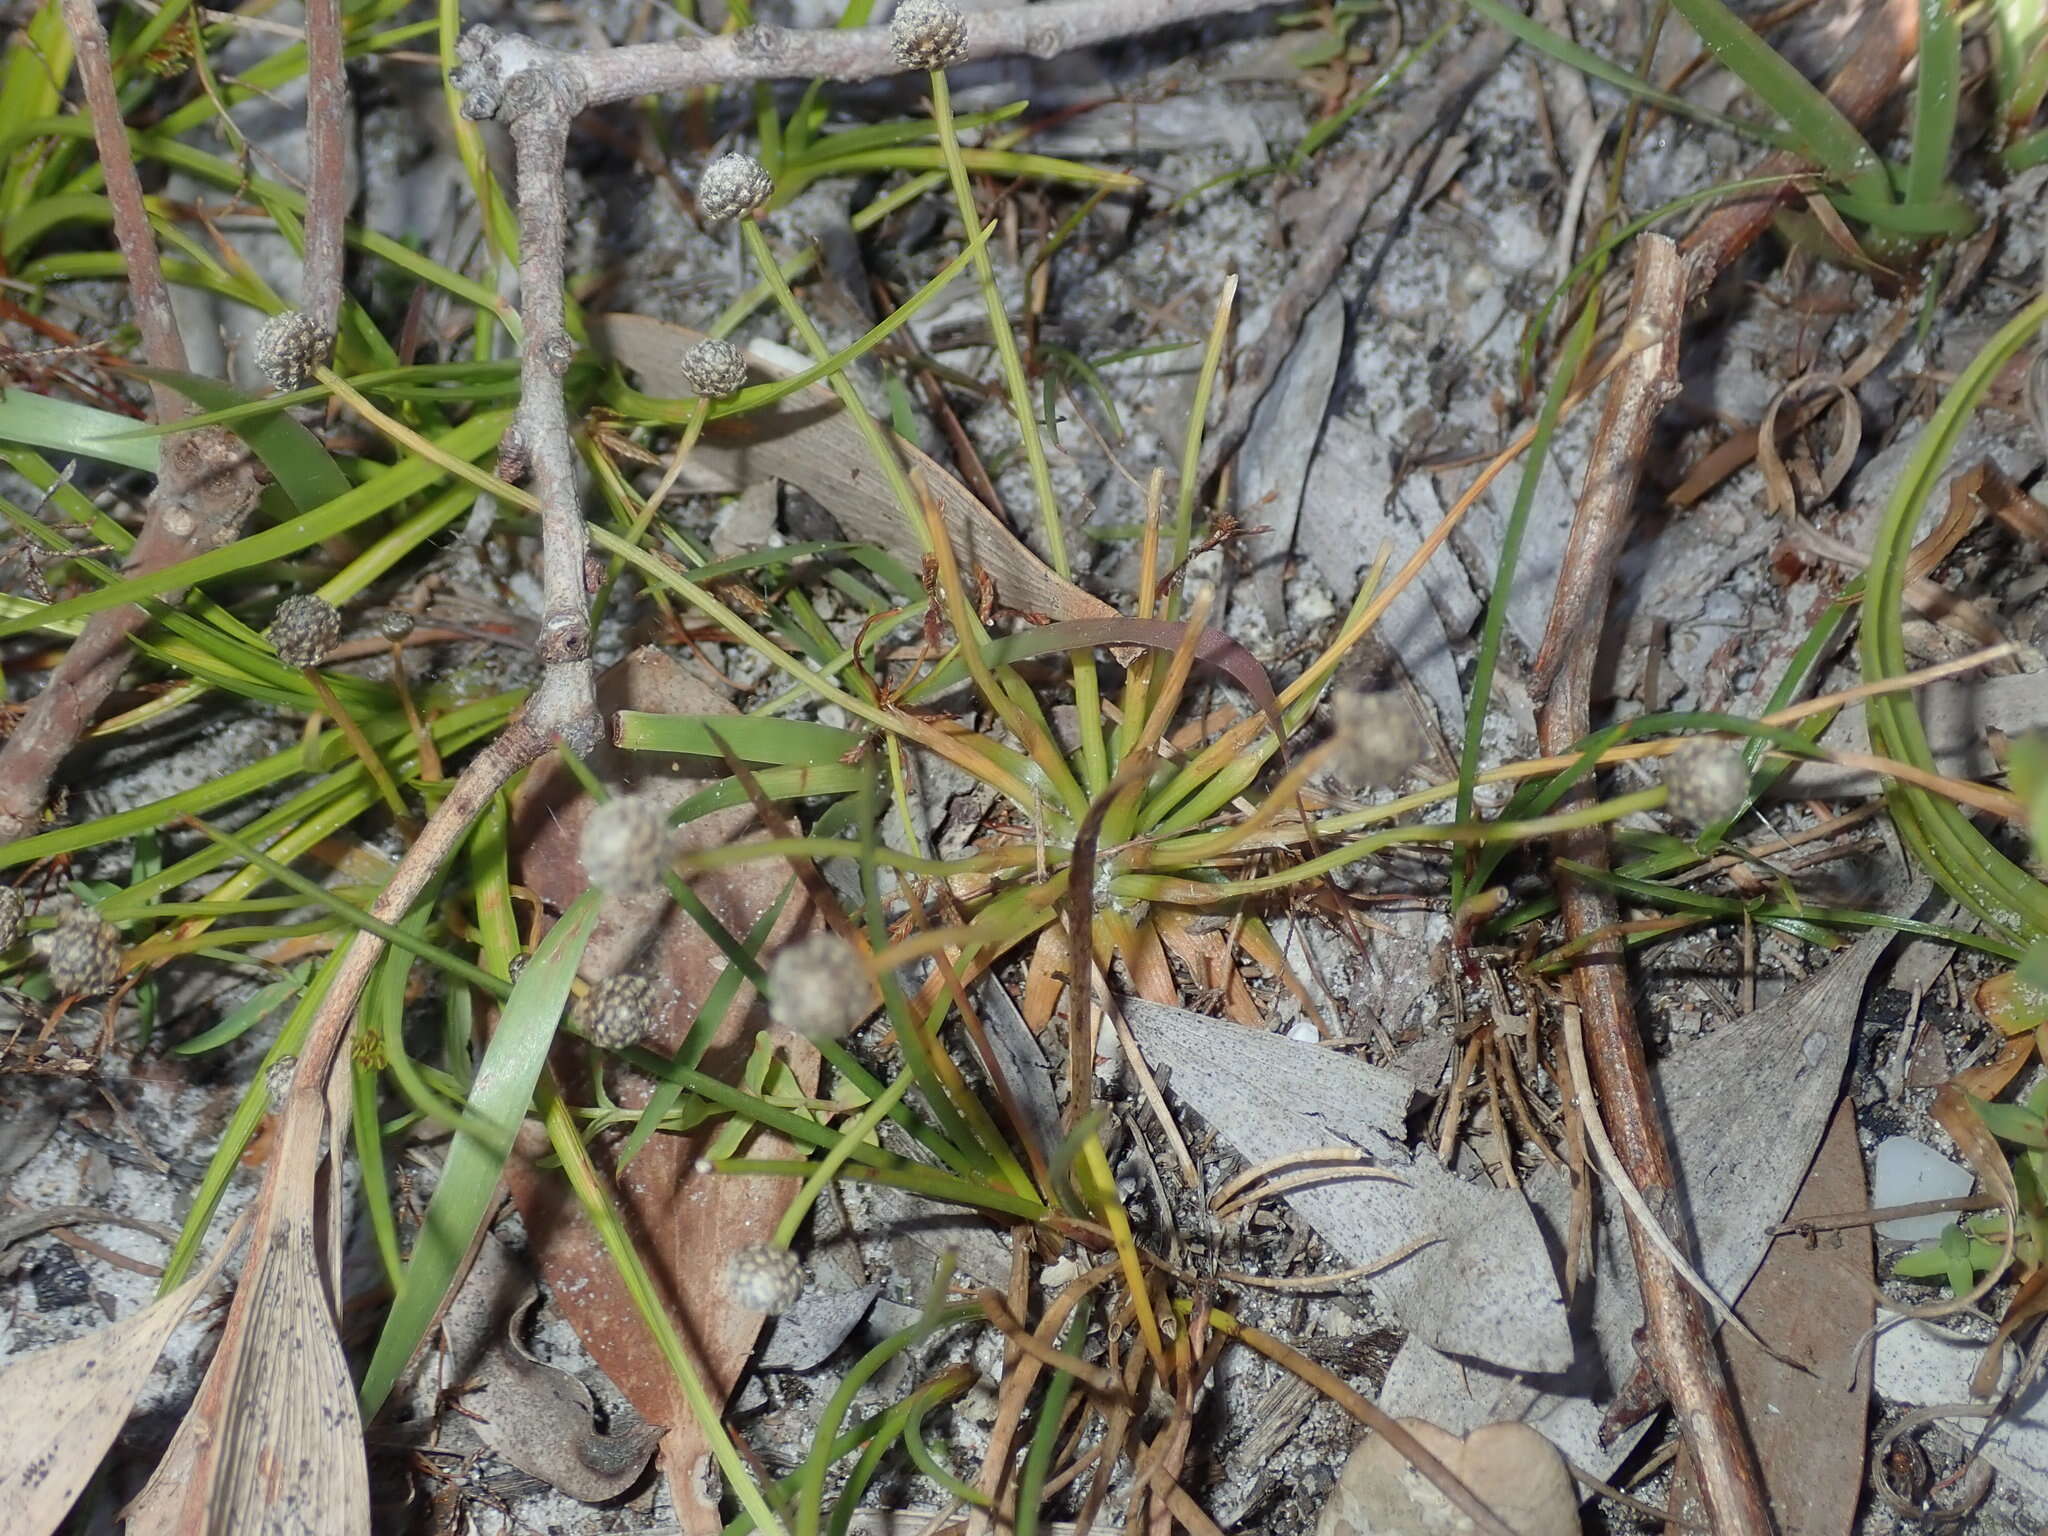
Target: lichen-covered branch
<point>866,53</point>
<point>536,103</point>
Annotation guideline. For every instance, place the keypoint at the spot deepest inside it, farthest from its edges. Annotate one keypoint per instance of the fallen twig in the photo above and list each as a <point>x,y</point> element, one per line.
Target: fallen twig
<point>1679,1344</point>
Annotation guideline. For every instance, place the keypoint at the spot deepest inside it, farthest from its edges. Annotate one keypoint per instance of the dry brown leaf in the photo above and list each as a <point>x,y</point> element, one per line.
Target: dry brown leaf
<point>273,1442</point>
<point>685,1223</point>
<point>539,1419</point>
<point>1813,1297</point>
<point>806,439</point>
<point>1781,494</point>
<point>83,1392</point>
<point>1046,980</point>
<point>1207,955</point>
<point>1509,1467</point>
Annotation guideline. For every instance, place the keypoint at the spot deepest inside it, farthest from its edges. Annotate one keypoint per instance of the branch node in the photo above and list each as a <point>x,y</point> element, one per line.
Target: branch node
<point>558,351</point>
<point>564,637</point>
<point>510,78</point>
<point>515,457</point>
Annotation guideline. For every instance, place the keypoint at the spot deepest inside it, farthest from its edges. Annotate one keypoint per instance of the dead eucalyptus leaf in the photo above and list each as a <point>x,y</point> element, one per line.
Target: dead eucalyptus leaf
<point>1810,1433</point>
<point>685,1222</point>
<point>1746,1107</point>
<point>806,439</point>
<point>1280,446</point>
<point>1509,1467</point>
<point>82,1393</point>
<point>539,1419</point>
<point>1486,1288</point>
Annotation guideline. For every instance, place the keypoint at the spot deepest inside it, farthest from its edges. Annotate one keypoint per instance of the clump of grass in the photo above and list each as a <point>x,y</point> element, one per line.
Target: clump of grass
<point>1121,839</point>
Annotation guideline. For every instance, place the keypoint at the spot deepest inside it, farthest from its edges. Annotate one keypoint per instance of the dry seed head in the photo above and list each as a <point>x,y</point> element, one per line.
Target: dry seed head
<point>1377,739</point>
<point>303,630</point>
<point>289,346</point>
<point>818,987</point>
<point>1708,781</point>
<point>84,954</point>
<point>715,369</point>
<point>626,846</point>
<point>618,1011</point>
<point>10,916</point>
<point>395,625</point>
<point>732,185</point>
<point>928,34</point>
<point>763,1277</point>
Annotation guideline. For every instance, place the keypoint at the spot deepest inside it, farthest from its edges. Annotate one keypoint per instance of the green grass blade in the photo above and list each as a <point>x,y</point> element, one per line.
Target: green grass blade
<point>1942,838</point>
<point>1480,704</point>
<point>69,427</point>
<point>757,739</point>
<point>1818,128</point>
<point>500,1097</point>
<point>376,1191</point>
<point>1935,98</point>
<point>379,494</point>
<point>247,1014</point>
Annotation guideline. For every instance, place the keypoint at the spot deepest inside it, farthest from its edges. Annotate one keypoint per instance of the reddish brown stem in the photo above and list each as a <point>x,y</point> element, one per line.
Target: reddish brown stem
<point>1859,88</point>
<point>1680,1346</point>
<point>148,291</point>
<point>205,483</point>
<point>327,154</point>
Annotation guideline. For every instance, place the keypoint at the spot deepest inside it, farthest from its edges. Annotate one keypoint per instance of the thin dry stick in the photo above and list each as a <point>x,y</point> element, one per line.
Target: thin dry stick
<point>205,484</point>
<point>1680,1345</point>
<point>1632,1198</point>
